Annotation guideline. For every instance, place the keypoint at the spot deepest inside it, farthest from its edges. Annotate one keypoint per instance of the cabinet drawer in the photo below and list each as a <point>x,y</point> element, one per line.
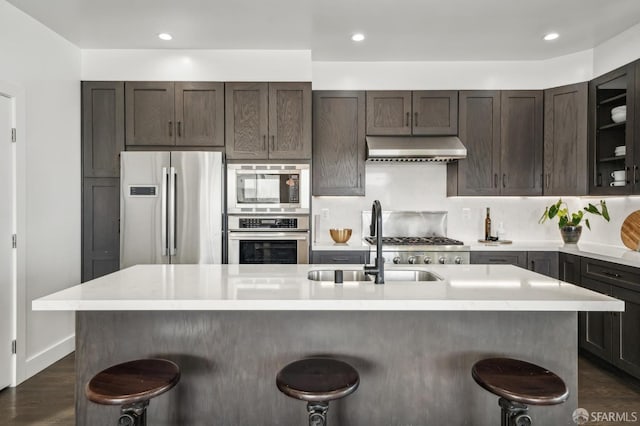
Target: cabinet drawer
<point>517,258</point>
<point>337,257</point>
<point>611,273</point>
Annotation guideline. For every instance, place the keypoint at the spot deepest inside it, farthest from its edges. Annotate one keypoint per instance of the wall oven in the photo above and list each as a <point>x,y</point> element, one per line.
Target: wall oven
<point>268,188</point>
<point>268,239</point>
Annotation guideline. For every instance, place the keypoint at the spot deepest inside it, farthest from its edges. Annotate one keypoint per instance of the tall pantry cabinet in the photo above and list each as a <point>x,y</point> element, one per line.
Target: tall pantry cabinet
<point>102,142</point>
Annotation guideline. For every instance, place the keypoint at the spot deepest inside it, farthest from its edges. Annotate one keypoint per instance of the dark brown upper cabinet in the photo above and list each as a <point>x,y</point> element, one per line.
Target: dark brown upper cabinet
<point>268,121</point>
<point>167,113</point>
<point>102,128</point>
<point>428,112</point>
<point>502,132</point>
<point>480,133</point>
<point>521,142</point>
<point>607,92</point>
<point>199,114</point>
<point>338,143</point>
<point>565,140</point>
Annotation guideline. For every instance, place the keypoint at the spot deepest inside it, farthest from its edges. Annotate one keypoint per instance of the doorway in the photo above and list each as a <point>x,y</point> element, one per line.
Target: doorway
<point>7,251</point>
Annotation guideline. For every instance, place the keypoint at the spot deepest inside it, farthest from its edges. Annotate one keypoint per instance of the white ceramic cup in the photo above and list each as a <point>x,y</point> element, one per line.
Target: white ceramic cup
<point>619,175</point>
<point>618,183</point>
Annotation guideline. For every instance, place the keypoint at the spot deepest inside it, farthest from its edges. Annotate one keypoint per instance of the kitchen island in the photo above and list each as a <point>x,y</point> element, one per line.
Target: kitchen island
<point>232,327</point>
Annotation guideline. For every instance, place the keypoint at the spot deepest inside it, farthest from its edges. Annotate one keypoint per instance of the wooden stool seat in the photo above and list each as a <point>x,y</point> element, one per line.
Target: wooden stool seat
<point>132,382</point>
<point>318,379</point>
<point>520,381</point>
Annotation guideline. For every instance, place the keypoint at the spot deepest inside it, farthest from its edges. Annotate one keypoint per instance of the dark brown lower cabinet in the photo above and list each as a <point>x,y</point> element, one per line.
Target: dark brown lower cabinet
<point>612,336</point>
<point>626,332</point>
<point>517,258</point>
<point>340,256</point>
<point>569,268</point>
<point>100,227</point>
<point>543,262</point>
<point>594,328</point>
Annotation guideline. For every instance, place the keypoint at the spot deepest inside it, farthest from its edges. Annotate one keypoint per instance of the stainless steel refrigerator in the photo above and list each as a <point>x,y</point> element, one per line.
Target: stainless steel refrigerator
<point>171,207</point>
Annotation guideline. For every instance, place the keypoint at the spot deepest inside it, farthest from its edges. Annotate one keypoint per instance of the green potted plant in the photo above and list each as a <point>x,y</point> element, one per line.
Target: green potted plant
<point>569,223</point>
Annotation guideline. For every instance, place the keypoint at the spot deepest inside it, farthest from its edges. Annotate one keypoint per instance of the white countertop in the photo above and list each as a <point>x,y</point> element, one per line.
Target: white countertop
<point>286,287</point>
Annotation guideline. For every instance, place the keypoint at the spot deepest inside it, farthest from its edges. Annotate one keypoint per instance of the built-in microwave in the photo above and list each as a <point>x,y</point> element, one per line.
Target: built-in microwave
<point>268,188</point>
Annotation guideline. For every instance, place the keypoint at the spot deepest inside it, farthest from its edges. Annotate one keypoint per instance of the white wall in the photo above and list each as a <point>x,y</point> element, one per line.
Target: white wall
<point>618,51</point>
<point>278,65</point>
<point>47,68</point>
<point>196,65</point>
<point>422,186</point>
<point>461,75</point>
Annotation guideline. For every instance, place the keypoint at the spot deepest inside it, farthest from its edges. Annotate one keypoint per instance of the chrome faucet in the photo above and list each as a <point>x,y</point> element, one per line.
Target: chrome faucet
<point>375,229</point>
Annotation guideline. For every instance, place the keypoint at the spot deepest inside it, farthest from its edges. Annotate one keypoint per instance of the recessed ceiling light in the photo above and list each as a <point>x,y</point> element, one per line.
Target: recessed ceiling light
<point>551,36</point>
<point>357,37</point>
<point>165,36</point>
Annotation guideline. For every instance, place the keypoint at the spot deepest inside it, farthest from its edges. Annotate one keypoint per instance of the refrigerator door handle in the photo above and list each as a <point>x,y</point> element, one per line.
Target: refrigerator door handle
<point>163,214</point>
<point>172,211</point>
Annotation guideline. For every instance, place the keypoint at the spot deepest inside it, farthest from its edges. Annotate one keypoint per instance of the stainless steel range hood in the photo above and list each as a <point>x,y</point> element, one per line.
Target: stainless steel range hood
<point>415,148</point>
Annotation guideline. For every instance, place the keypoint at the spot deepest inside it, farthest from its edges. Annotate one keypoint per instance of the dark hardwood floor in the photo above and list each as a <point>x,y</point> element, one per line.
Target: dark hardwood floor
<point>605,389</point>
<point>47,398</point>
<point>43,400</point>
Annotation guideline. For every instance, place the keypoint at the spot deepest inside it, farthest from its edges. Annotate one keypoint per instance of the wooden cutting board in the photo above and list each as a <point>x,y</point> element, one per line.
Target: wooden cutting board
<point>630,231</point>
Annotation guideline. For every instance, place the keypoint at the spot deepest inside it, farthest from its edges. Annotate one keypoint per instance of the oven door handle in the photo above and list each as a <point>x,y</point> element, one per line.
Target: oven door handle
<point>268,235</point>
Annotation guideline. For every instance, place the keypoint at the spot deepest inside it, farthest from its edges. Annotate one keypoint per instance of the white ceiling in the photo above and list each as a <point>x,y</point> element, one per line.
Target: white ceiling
<point>395,29</point>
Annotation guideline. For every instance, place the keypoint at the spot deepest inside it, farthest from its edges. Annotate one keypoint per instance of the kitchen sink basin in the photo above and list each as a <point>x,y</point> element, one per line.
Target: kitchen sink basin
<point>347,275</point>
<point>389,275</point>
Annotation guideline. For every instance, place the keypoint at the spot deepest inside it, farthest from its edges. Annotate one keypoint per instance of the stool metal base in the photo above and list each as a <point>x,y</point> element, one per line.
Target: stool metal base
<point>317,413</point>
<point>514,413</point>
<point>133,414</point>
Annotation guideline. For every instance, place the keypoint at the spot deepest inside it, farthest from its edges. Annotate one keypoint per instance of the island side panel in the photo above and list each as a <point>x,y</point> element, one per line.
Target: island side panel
<point>414,366</point>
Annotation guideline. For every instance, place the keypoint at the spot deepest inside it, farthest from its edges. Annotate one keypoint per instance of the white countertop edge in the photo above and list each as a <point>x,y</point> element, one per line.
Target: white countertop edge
<point>330,305</point>
<point>329,246</point>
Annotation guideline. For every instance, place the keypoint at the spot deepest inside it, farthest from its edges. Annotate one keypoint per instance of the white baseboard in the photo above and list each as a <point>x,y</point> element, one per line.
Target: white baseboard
<point>45,358</point>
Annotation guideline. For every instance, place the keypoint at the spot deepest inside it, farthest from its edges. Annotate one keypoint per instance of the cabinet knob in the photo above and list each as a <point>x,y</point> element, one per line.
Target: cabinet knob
<point>408,118</point>
<point>171,128</point>
<point>415,119</point>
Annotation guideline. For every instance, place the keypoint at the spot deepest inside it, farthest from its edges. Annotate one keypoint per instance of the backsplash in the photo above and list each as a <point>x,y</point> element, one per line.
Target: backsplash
<point>422,186</point>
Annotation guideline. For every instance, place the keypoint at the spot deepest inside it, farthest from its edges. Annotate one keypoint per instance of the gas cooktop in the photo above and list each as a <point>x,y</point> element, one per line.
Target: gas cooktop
<point>415,241</point>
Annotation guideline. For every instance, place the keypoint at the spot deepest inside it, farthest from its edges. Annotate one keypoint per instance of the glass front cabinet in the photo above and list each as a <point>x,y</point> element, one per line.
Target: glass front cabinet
<point>614,150</point>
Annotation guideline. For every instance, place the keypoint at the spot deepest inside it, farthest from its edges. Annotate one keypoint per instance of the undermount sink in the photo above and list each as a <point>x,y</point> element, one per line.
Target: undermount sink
<point>389,275</point>
<point>347,275</point>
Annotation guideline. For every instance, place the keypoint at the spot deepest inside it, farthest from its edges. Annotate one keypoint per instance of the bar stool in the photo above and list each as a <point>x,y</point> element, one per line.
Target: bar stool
<point>518,384</point>
<point>318,381</point>
<point>131,385</point>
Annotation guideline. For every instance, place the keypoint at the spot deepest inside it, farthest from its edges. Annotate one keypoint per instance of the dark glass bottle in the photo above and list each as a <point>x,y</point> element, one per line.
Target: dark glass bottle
<point>487,226</point>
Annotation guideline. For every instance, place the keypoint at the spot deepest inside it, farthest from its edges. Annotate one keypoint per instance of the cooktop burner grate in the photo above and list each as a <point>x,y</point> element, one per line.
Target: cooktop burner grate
<point>411,241</point>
